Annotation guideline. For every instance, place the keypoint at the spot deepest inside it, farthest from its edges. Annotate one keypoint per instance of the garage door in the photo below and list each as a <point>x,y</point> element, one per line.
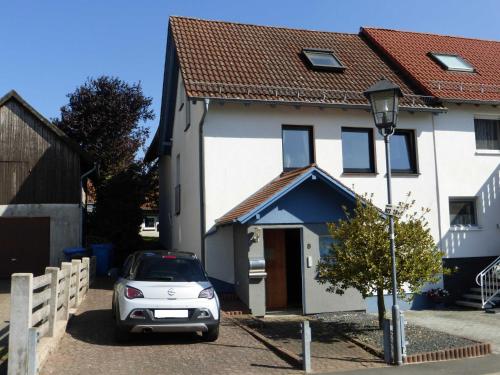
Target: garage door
<point>24,245</point>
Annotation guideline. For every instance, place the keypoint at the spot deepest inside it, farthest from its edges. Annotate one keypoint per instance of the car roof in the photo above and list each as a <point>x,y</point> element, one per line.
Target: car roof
<point>179,254</point>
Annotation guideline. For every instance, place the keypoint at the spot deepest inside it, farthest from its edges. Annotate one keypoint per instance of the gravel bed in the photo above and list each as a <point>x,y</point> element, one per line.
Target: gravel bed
<point>364,327</point>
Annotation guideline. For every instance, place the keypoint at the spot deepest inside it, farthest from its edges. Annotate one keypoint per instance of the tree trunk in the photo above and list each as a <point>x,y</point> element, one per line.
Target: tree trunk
<point>381,307</point>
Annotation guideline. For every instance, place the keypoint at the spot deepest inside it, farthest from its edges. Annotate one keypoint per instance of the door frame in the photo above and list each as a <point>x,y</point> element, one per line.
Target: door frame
<point>302,262</point>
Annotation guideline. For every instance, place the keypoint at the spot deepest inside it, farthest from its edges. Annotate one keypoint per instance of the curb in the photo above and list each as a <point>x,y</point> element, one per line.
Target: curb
<point>470,351</point>
<point>292,358</point>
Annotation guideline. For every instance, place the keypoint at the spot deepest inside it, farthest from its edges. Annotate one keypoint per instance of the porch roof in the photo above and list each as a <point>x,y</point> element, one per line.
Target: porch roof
<point>276,189</point>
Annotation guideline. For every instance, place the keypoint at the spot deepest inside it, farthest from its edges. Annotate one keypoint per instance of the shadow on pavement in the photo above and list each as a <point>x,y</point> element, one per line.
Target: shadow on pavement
<point>97,327</point>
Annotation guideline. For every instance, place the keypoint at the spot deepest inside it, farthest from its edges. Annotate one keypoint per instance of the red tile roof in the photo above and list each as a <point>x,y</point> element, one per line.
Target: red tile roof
<point>268,191</point>
<point>409,51</point>
<point>239,61</point>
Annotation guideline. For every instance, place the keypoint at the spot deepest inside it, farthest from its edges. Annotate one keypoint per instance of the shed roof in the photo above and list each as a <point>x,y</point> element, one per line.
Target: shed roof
<point>13,95</point>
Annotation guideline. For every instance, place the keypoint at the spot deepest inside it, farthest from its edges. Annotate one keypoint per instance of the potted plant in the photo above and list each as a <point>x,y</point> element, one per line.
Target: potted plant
<point>437,295</point>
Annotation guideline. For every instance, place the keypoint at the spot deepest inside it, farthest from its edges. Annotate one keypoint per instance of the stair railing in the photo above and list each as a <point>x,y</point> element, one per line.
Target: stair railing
<point>489,281</point>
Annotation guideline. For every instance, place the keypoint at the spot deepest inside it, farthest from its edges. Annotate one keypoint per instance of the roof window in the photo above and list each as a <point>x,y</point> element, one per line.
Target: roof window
<point>322,59</point>
<point>452,62</point>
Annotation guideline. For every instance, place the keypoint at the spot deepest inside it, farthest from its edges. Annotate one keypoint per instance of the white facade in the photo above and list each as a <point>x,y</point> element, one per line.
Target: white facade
<point>464,171</point>
<point>243,151</point>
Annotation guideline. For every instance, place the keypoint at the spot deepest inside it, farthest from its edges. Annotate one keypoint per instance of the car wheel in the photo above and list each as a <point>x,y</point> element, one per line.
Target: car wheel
<point>121,335</point>
<point>211,335</point>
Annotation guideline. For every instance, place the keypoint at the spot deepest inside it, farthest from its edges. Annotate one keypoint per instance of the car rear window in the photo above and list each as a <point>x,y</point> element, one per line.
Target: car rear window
<point>169,268</point>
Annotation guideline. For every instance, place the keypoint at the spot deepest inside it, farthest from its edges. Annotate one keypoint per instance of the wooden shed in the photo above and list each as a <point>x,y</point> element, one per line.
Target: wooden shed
<point>40,191</point>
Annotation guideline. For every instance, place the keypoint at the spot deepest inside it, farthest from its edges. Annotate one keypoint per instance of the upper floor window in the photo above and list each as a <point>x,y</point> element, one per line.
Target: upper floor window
<point>403,152</point>
<point>358,150</point>
<point>298,150</point>
<point>463,211</point>
<point>487,134</point>
<point>452,62</point>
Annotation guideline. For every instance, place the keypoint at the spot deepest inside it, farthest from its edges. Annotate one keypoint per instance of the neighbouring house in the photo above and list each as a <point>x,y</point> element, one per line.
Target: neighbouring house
<point>464,74</point>
<point>150,221</point>
<point>40,189</point>
<point>265,134</point>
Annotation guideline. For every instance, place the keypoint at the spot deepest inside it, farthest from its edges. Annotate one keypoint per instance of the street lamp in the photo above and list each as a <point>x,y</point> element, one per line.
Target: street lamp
<point>384,97</point>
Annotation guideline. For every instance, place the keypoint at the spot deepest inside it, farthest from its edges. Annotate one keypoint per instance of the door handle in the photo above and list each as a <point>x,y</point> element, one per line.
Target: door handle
<point>13,259</point>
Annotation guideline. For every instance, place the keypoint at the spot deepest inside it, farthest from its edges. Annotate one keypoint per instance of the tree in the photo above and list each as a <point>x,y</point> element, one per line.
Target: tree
<point>360,257</point>
<point>117,215</point>
<point>104,117</point>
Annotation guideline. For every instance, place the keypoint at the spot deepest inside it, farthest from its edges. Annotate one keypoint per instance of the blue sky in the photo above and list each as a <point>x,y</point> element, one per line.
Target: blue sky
<point>50,47</point>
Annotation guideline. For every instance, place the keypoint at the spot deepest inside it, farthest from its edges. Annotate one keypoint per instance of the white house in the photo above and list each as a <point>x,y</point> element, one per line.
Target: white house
<point>464,74</point>
<point>265,133</point>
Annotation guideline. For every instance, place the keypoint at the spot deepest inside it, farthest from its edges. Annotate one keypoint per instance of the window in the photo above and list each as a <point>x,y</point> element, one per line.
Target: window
<point>357,150</point>
<point>178,184</point>
<point>487,134</point>
<point>463,211</point>
<point>322,59</point>
<point>169,268</point>
<point>297,147</point>
<point>452,62</point>
<point>403,152</point>
<point>149,222</point>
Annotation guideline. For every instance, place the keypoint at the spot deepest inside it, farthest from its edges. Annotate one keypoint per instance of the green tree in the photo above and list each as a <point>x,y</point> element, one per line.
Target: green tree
<point>360,257</point>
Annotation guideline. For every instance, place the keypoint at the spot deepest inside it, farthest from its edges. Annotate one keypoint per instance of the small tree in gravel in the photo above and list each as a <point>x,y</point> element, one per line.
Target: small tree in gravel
<point>360,256</point>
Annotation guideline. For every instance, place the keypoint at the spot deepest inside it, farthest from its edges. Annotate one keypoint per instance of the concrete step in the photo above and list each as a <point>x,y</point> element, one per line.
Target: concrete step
<point>476,305</point>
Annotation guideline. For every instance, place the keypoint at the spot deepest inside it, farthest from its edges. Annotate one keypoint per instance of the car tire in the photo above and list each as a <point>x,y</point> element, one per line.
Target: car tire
<point>211,335</point>
<point>121,335</point>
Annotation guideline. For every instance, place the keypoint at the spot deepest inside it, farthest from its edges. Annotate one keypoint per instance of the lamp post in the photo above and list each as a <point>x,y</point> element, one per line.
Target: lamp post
<point>384,97</point>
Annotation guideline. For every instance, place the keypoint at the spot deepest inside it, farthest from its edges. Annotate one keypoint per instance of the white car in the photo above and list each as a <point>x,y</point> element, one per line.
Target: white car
<point>165,291</point>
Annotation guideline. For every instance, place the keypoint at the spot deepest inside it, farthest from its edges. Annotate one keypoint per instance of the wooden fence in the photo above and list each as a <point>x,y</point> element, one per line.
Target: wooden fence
<point>39,311</point>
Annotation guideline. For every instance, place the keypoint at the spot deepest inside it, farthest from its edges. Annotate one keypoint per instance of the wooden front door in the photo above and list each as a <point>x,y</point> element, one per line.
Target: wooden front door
<point>275,254</point>
<point>24,245</point>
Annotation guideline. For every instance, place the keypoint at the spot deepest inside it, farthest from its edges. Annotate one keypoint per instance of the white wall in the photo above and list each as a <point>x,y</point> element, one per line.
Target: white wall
<point>64,224</point>
<point>466,172</point>
<point>182,232</point>
<point>243,152</point>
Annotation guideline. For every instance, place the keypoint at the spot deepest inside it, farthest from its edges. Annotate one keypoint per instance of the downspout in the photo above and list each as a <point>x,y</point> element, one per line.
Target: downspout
<point>82,177</point>
<point>201,163</point>
<point>437,181</point>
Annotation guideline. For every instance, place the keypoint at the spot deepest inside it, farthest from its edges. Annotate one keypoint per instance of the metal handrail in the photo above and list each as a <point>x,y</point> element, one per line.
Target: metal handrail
<point>489,281</point>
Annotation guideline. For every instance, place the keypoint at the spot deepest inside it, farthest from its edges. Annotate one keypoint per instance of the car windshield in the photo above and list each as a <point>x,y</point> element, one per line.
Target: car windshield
<point>169,268</point>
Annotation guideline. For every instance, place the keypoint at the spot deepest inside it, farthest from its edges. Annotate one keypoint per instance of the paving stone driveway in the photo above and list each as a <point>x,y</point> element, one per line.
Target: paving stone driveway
<point>88,348</point>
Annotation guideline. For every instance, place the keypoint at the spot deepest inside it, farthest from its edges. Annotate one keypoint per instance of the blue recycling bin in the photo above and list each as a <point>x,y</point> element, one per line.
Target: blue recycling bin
<point>74,253</point>
<point>102,253</point>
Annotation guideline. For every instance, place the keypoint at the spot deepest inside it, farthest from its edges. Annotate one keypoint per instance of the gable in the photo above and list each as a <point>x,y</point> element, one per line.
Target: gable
<point>313,201</point>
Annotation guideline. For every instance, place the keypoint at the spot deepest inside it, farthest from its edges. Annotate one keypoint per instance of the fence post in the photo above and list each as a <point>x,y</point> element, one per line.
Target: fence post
<point>78,265</point>
<point>32,360</point>
<point>92,268</point>
<point>66,269</point>
<point>21,306</point>
<point>86,263</point>
<point>54,291</point>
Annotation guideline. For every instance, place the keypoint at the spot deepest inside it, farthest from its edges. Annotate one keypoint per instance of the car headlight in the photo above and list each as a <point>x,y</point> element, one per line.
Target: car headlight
<point>207,293</point>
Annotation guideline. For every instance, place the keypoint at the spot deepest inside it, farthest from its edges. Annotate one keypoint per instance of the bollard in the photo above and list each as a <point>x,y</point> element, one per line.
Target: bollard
<point>306,346</point>
<point>387,341</point>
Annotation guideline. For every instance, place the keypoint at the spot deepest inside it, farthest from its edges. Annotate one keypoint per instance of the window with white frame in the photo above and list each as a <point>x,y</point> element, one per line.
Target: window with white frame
<point>150,223</point>
<point>463,211</point>
<point>487,133</point>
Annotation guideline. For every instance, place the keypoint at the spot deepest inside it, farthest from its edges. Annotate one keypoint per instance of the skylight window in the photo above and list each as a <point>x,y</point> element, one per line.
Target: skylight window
<point>452,62</point>
<point>322,59</point>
